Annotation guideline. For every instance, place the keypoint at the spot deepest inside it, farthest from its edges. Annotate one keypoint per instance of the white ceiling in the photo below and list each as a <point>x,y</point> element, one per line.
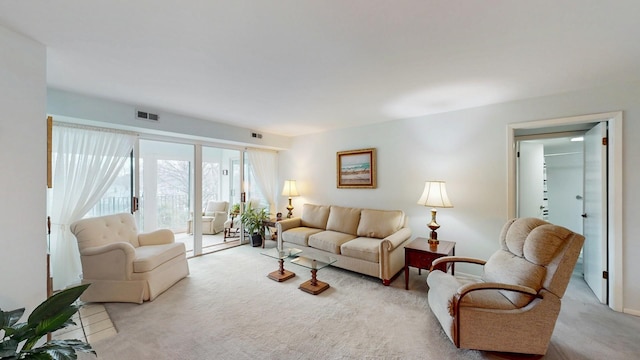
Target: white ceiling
<point>293,67</point>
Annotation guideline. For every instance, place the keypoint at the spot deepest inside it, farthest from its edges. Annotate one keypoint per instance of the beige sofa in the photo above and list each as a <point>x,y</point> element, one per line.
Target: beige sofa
<point>124,266</point>
<point>366,241</point>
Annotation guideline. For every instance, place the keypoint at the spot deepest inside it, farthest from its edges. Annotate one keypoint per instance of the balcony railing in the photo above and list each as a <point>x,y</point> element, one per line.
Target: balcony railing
<point>172,210</point>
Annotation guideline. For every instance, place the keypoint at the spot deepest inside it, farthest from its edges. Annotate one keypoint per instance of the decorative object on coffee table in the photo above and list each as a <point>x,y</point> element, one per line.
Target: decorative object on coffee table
<point>315,263</point>
<point>434,196</point>
<point>290,190</point>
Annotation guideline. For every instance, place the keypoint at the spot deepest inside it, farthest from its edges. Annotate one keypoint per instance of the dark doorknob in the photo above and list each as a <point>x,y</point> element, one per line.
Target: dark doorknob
<point>584,215</point>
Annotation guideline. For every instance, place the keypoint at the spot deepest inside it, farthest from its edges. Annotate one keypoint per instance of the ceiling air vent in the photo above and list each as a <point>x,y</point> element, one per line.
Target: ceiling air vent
<point>146,115</point>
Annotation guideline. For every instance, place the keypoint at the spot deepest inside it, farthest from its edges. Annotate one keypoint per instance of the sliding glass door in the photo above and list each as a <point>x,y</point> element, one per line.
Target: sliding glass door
<point>165,178</point>
<point>220,178</point>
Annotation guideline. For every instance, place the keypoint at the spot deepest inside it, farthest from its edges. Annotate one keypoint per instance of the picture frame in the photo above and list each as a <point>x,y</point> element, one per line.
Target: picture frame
<point>356,169</point>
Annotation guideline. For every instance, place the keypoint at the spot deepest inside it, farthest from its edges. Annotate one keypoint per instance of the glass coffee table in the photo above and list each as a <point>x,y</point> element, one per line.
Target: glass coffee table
<point>281,274</point>
<point>315,263</point>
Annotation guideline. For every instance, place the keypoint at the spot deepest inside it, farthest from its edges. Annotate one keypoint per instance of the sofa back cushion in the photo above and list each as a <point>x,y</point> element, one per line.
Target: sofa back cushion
<point>215,206</point>
<point>103,230</point>
<point>379,223</point>
<point>314,216</point>
<point>343,219</point>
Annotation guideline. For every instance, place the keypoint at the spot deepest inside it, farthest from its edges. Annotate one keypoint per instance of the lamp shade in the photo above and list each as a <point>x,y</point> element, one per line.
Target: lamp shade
<point>435,195</point>
<point>290,189</point>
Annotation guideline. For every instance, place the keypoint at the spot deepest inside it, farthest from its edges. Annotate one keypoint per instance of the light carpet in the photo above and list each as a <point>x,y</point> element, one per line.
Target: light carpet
<point>228,309</point>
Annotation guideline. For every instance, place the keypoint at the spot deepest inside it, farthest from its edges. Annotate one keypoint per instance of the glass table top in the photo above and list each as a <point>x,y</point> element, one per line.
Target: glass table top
<point>285,253</point>
<point>316,262</point>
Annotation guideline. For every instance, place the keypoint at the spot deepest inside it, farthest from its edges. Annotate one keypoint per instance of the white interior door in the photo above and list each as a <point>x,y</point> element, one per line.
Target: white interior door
<point>530,174</point>
<point>595,210</point>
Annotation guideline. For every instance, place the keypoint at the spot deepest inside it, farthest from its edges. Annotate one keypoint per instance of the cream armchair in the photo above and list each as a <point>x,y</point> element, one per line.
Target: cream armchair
<point>214,216</point>
<point>514,306</point>
<point>123,265</point>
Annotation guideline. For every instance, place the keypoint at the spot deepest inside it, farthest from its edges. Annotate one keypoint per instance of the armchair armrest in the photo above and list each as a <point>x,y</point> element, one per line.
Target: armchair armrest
<point>396,239</point>
<point>447,259</point>
<point>125,247</point>
<point>468,288</point>
<point>158,237</point>
<point>220,214</point>
<point>98,261</point>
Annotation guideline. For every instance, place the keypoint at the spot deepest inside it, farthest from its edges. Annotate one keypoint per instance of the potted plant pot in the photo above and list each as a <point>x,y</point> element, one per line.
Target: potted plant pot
<point>256,240</point>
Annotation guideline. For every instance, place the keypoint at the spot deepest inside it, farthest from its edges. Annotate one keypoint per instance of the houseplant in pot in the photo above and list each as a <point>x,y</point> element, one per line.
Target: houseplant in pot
<point>235,209</point>
<point>20,340</point>
<point>253,221</point>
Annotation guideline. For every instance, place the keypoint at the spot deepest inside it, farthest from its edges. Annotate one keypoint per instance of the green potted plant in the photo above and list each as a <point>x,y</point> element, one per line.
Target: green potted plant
<point>253,221</point>
<point>235,209</point>
<point>53,314</point>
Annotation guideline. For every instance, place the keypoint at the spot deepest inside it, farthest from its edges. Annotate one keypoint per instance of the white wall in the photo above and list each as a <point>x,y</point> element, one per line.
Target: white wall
<point>68,106</point>
<point>23,177</point>
<point>467,149</point>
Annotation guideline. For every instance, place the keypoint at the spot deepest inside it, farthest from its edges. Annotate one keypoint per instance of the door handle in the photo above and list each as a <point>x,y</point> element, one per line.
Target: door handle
<point>584,215</point>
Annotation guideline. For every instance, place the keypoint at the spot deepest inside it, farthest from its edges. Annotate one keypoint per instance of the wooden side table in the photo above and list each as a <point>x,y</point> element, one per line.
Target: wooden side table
<point>420,254</point>
<point>267,225</point>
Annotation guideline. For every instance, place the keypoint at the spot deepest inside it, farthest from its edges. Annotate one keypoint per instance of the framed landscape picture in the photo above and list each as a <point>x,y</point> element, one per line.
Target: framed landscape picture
<point>356,168</point>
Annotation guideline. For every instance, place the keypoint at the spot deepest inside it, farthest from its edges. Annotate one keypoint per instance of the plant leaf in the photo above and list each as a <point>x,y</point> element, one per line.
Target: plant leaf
<point>60,350</point>
<point>19,332</point>
<point>59,321</point>
<point>55,304</point>
<point>9,318</point>
<point>8,348</point>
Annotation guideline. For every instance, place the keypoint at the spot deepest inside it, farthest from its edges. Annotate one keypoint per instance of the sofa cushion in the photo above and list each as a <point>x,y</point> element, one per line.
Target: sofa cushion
<point>299,235</point>
<point>329,240</point>
<point>343,219</point>
<point>362,248</point>
<point>315,216</point>
<point>379,223</point>
<point>151,256</point>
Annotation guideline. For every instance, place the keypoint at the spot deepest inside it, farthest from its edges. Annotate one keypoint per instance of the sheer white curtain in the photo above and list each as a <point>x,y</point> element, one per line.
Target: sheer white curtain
<point>264,164</point>
<point>85,163</point>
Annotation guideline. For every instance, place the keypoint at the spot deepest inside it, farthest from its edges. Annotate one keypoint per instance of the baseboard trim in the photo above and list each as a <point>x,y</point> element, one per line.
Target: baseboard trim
<point>631,311</point>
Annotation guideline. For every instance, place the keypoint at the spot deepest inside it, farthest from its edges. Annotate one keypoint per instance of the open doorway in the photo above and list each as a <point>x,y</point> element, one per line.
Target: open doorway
<point>550,187</point>
<point>613,188</point>
<point>551,177</point>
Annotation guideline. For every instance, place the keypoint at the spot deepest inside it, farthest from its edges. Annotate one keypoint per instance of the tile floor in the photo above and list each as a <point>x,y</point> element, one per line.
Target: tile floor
<point>92,324</point>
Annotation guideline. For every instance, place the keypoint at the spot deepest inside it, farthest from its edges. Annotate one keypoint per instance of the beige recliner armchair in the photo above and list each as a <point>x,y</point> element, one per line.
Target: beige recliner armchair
<point>514,306</point>
<point>123,265</point>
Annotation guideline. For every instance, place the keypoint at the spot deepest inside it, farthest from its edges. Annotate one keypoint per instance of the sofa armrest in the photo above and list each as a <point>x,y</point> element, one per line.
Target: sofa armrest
<point>454,259</point>
<point>286,224</point>
<point>158,237</point>
<point>98,262</point>
<point>396,239</point>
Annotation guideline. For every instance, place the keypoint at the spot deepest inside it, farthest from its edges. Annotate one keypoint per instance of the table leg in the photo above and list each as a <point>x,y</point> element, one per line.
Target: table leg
<point>314,286</point>
<point>406,277</point>
<point>281,274</point>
